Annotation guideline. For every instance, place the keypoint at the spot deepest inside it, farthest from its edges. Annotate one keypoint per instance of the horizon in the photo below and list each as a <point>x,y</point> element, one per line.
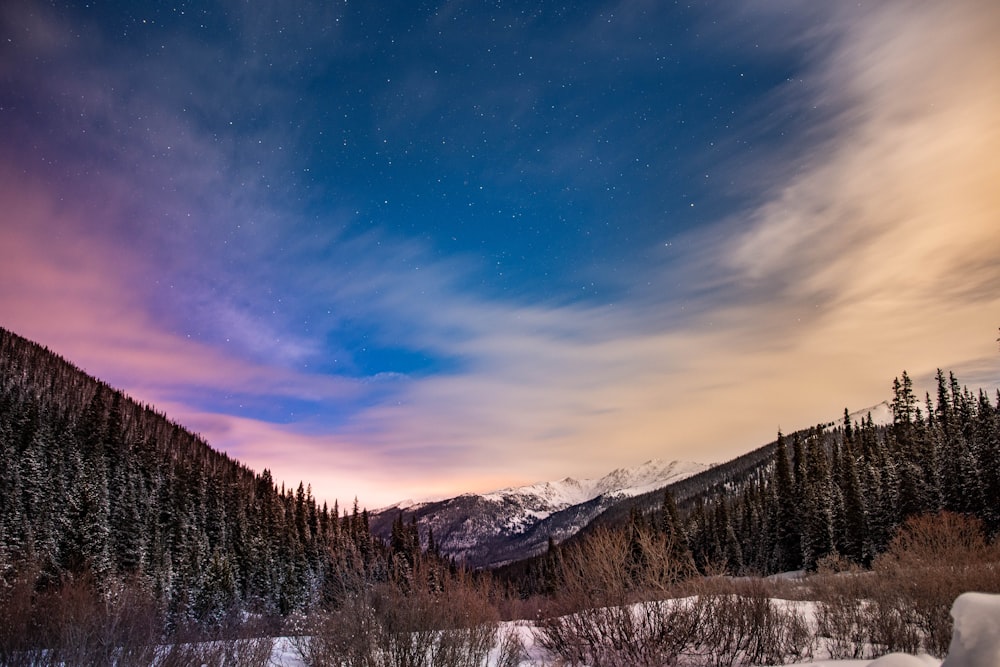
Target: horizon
<point>406,251</point>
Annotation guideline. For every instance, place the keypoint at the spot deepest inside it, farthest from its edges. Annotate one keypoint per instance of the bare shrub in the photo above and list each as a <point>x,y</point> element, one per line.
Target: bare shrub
<point>891,620</point>
<point>644,634</point>
<point>748,627</point>
<point>345,637</point>
<point>79,625</point>
<point>117,623</point>
<point>931,560</point>
<point>509,647</point>
<point>904,603</point>
<point>241,643</point>
<point>188,653</point>
<point>410,623</point>
<point>611,613</point>
<point>469,625</point>
<point>615,568</point>
<point>18,645</point>
<point>439,621</point>
<point>614,611</point>
<point>843,614</point>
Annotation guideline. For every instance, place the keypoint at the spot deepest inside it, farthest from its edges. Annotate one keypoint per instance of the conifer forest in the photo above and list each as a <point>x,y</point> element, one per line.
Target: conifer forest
<point>97,488</point>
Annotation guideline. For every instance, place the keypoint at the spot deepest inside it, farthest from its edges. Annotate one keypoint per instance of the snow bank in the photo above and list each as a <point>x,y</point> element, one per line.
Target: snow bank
<point>904,660</point>
<point>975,639</point>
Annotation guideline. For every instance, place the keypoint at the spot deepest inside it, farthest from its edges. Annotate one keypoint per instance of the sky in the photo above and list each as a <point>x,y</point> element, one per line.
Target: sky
<point>404,250</point>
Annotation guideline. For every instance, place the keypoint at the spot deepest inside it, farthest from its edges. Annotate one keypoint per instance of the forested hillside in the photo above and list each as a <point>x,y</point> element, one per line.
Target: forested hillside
<point>93,484</point>
<point>844,490</point>
<point>835,493</point>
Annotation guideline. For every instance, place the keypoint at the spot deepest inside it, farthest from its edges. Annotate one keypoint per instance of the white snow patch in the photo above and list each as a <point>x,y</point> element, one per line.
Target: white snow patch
<point>975,639</point>
<point>881,415</point>
<point>905,660</point>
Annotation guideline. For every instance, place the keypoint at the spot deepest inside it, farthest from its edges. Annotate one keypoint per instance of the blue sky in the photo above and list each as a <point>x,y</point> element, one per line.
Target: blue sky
<point>412,249</point>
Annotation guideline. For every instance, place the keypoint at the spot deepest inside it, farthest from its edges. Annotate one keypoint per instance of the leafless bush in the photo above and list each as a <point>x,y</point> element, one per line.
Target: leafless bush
<point>188,653</point>
<point>345,637</point>
<point>510,649</point>
<point>891,620</point>
<point>903,603</point>
<point>18,647</point>
<point>644,634</point>
<point>447,622</point>
<point>748,627</point>
<point>75,624</point>
<point>843,615</point>
<point>932,559</point>
<point>609,609</point>
<point>118,623</point>
<point>614,614</point>
<point>615,568</point>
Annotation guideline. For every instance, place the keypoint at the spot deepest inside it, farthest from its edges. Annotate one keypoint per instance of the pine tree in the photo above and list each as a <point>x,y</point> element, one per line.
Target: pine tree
<point>788,546</point>
<point>903,402</point>
<point>817,509</point>
<point>670,525</point>
<point>856,540</point>
<point>731,554</point>
<point>988,461</point>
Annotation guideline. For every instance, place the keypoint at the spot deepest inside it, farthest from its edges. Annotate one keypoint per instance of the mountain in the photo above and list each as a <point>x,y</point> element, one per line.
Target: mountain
<point>491,529</point>
<point>881,414</point>
<point>95,486</point>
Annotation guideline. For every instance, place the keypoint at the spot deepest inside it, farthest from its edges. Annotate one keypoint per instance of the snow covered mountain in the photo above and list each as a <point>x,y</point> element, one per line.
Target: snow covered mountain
<point>487,530</point>
<point>881,414</point>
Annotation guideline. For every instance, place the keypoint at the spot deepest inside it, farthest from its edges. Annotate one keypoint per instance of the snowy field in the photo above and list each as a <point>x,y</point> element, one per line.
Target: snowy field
<point>975,642</point>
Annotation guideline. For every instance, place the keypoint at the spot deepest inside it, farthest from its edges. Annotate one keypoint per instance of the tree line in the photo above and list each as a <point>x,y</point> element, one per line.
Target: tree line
<point>833,494</point>
<point>95,486</point>
<point>841,491</point>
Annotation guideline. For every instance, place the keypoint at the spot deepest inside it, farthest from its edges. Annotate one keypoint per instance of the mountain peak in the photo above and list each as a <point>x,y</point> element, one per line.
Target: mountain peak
<point>515,522</point>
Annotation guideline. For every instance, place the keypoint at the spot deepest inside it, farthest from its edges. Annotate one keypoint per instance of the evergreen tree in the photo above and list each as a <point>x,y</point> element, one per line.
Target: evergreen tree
<point>731,554</point>
<point>673,529</point>
<point>817,509</point>
<point>988,461</point>
<point>788,546</point>
<point>856,541</point>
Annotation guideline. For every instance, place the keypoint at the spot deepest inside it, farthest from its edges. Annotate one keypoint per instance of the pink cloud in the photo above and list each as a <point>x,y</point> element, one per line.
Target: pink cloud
<point>89,298</point>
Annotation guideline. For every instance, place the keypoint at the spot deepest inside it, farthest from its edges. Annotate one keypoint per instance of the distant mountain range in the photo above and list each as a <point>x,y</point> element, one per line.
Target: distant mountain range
<point>492,529</point>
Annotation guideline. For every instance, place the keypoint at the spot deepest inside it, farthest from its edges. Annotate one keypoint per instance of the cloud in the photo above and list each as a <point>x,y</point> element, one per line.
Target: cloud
<point>894,218</point>
<point>68,285</point>
<point>877,254</point>
<point>873,249</point>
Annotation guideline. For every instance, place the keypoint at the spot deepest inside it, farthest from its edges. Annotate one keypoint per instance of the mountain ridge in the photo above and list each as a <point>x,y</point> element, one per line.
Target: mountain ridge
<point>497,527</point>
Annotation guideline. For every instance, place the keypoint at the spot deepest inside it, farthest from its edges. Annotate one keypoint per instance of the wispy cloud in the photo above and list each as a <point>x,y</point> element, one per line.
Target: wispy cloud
<point>874,248</point>
<point>878,253</point>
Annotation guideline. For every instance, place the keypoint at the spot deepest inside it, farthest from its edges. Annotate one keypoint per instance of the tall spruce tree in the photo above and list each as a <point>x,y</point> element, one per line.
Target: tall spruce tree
<point>817,509</point>
<point>788,545</point>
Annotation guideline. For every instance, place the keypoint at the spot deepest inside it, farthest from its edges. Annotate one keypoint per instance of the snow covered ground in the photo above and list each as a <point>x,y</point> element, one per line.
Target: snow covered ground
<point>975,642</point>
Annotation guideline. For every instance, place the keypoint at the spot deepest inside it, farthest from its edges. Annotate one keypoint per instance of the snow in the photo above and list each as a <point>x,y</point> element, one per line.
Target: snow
<point>975,639</point>
<point>881,414</point>
<point>284,654</point>
<point>624,482</point>
<point>891,660</point>
<point>904,660</point>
